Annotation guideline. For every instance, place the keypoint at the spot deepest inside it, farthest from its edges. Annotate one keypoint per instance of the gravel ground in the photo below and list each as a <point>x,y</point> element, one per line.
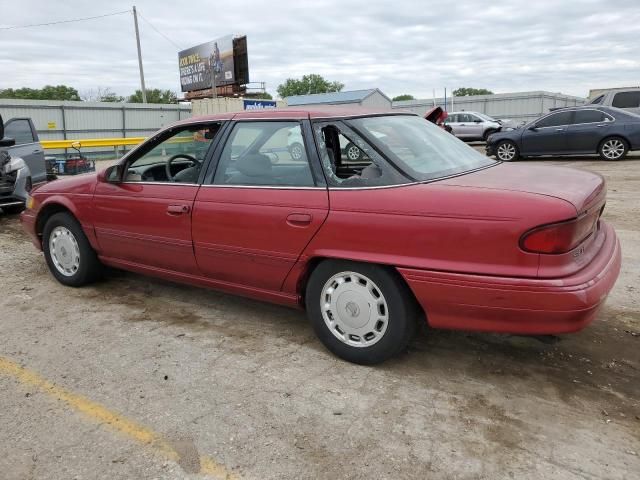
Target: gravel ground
<point>139,378</point>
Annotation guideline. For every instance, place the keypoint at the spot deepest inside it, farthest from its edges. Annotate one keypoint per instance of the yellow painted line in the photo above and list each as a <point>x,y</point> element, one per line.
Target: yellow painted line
<point>101,415</point>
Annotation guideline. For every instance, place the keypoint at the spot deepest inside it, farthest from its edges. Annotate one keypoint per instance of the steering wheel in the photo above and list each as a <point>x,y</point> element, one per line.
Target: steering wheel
<point>193,160</point>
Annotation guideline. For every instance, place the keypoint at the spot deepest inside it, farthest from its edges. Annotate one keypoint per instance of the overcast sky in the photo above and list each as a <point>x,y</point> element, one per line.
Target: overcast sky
<point>400,46</point>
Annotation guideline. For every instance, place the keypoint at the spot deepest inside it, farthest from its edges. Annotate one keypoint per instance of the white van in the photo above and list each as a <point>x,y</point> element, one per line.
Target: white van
<point>628,99</point>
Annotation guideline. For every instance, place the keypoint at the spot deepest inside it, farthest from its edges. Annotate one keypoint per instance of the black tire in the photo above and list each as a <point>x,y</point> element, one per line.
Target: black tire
<point>13,209</point>
<point>607,152</point>
<point>296,150</point>
<point>353,148</point>
<point>89,268</point>
<point>511,146</point>
<point>402,311</point>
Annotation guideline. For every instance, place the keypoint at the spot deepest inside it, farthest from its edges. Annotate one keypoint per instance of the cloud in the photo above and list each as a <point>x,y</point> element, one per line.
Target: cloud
<point>401,47</point>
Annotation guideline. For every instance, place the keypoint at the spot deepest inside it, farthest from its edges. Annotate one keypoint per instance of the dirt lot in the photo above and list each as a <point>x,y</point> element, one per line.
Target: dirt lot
<point>139,378</point>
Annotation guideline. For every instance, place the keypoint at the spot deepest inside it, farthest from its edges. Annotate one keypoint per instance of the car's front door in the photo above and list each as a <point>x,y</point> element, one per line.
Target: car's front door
<point>145,218</point>
<point>548,135</point>
<point>465,126</point>
<point>256,213</point>
<point>588,129</point>
<point>27,147</point>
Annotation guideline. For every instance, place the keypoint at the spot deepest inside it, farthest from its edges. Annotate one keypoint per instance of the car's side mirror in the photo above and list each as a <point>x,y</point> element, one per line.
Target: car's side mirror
<point>112,174</point>
<point>477,120</point>
<point>533,128</point>
<point>7,142</point>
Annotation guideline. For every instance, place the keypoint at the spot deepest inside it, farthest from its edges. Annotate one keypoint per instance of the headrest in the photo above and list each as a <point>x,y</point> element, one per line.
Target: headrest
<point>254,165</point>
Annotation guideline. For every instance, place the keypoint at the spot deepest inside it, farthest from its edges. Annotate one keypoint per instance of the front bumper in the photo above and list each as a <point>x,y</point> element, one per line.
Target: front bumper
<point>28,221</point>
<point>489,150</point>
<point>518,305</point>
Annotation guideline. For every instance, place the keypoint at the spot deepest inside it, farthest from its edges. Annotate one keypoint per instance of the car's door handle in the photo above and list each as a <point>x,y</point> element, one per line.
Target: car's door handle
<point>559,129</point>
<point>178,209</point>
<point>299,219</point>
<point>600,126</point>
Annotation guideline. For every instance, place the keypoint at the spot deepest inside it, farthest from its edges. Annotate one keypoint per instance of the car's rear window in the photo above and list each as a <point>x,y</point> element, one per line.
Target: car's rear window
<point>419,148</point>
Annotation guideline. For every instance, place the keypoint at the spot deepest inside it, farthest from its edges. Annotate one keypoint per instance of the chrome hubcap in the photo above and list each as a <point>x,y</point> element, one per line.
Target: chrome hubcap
<point>354,309</point>
<point>353,153</point>
<point>506,151</point>
<point>613,149</point>
<point>64,251</point>
<point>296,153</point>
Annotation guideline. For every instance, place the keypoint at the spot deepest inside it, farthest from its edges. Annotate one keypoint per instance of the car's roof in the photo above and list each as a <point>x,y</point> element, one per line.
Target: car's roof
<point>294,113</point>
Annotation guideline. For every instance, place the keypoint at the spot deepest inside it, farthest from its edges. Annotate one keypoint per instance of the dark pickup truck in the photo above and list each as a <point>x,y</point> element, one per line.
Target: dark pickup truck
<point>22,162</point>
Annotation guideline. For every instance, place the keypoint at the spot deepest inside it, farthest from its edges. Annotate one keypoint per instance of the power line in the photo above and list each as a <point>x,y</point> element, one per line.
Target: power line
<point>13,27</point>
<point>159,32</point>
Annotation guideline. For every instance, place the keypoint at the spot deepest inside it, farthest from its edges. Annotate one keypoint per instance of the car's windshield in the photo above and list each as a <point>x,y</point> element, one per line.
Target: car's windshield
<point>420,148</point>
<point>486,117</point>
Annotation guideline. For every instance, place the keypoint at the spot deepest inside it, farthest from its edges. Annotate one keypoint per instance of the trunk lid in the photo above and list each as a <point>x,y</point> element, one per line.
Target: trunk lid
<point>584,190</point>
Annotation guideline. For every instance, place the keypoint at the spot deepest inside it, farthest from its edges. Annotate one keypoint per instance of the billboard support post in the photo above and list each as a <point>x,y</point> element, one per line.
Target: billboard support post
<point>135,22</point>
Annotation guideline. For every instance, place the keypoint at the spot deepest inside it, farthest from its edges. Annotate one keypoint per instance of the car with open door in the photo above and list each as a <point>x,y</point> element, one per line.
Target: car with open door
<point>422,228</point>
<point>608,132</point>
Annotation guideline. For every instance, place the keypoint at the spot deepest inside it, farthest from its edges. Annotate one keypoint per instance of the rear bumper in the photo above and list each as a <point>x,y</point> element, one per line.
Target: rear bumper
<point>518,305</point>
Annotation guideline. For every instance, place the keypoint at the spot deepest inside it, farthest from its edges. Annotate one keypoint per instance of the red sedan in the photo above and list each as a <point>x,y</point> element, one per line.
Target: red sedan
<point>420,228</point>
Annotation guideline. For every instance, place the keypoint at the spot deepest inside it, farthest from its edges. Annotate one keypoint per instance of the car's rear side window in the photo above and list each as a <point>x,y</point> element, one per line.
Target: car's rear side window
<point>20,131</point>
<point>626,100</point>
<point>265,153</point>
<point>590,116</point>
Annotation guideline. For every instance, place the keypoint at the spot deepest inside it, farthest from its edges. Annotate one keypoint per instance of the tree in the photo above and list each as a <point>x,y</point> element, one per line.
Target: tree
<point>466,92</point>
<point>101,94</point>
<point>312,83</point>
<point>154,95</point>
<point>48,92</point>
<point>260,96</point>
<point>405,96</point>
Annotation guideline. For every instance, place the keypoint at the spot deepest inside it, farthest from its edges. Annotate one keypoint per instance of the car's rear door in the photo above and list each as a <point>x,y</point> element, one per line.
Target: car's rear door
<point>587,130</point>
<point>146,218</point>
<point>27,147</point>
<point>548,135</point>
<point>257,211</point>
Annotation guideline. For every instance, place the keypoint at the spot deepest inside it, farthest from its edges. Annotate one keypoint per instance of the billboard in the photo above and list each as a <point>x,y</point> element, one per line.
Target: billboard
<point>197,64</point>
<point>258,104</point>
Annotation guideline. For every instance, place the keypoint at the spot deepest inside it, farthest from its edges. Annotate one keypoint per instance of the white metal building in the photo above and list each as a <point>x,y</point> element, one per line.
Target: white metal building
<point>370,98</point>
<point>520,106</point>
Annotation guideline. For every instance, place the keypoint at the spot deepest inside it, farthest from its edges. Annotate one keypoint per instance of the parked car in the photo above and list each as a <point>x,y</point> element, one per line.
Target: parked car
<point>423,228</point>
<point>472,125</point>
<point>296,148</point>
<point>22,162</point>
<point>609,132</point>
<point>627,99</point>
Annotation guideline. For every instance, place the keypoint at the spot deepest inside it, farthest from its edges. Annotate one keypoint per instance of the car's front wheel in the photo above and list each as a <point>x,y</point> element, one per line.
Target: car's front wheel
<point>363,313</point>
<point>613,148</point>
<point>507,151</point>
<point>69,255</point>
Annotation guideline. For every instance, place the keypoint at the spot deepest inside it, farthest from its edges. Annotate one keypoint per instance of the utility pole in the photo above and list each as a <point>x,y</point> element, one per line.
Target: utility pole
<point>144,90</point>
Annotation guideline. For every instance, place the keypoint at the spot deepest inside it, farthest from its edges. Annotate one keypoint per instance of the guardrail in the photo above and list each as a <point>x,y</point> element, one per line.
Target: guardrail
<point>92,142</point>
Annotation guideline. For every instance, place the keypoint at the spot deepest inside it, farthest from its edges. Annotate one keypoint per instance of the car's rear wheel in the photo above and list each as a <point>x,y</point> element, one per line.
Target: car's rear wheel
<point>363,313</point>
<point>353,152</point>
<point>507,151</point>
<point>613,148</point>
<point>69,255</point>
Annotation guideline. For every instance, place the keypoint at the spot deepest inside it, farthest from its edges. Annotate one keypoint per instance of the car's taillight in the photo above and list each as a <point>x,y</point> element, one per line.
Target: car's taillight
<point>560,237</point>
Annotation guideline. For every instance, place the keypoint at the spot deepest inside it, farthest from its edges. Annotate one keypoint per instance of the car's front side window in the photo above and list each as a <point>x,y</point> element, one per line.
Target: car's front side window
<point>555,120</point>
<point>266,153</point>
<point>177,157</point>
<point>20,131</point>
